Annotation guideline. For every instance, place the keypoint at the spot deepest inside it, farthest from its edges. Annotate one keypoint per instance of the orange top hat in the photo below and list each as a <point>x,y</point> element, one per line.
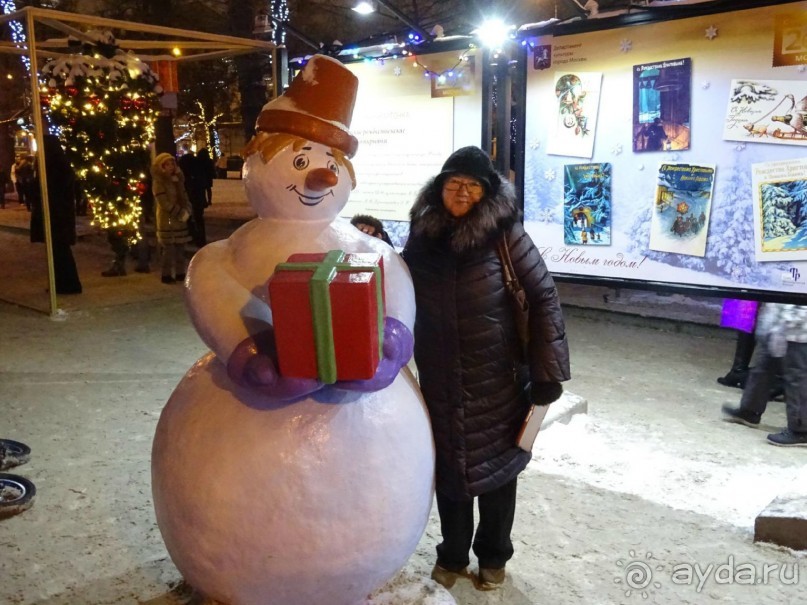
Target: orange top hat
<point>317,106</point>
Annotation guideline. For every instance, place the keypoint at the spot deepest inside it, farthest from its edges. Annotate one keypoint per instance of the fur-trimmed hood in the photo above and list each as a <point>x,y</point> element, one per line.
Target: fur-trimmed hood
<point>486,220</point>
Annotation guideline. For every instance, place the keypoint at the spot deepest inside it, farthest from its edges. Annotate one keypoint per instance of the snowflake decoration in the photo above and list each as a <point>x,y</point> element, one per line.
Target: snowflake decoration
<point>397,70</point>
<point>711,32</point>
<point>625,45</point>
<point>535,144</point>
<point>739,147</point>
<point>546,215</point>
<point>549,174</point>
<point>617,149</point>
<point>706,85</point>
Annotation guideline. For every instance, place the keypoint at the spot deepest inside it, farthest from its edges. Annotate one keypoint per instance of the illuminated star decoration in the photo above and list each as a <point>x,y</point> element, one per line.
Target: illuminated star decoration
<point>625,45</point>
<point>549,174</point>
<point>711,32</point>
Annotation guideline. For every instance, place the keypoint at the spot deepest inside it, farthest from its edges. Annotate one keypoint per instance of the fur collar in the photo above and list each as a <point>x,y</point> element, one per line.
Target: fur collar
<point>490,217</point>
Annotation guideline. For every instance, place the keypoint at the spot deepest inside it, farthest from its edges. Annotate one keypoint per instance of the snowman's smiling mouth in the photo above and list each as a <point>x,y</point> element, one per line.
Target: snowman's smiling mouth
<point>309,200</point>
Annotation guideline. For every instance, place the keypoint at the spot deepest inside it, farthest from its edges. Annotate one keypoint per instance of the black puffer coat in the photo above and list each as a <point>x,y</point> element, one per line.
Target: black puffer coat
<point>475,383</point>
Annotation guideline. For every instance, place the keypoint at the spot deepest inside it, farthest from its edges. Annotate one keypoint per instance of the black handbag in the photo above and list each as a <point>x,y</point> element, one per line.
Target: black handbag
<point>521,308</point>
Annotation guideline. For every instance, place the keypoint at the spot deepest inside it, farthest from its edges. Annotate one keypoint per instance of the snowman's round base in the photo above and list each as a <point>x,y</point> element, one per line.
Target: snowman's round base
<point>305,503</point>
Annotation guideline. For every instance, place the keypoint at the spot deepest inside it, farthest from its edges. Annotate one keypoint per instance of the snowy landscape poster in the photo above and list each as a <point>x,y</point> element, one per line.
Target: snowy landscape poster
<point>680,218</point>
<point>767,111</point>
<point>574,124</point>
<point>587,204</point>
<point>780,210</point>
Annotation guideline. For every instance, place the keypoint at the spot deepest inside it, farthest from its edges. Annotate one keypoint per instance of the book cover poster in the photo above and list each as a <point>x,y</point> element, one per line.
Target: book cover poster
<point>575,118</point>
<point>780,210</point>
<point>662,105</point>
<point>767,111</point>
<point>587,204</point>
<point>680,218</point>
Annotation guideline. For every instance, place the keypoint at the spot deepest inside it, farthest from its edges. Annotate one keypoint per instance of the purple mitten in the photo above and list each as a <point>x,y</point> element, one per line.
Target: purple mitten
<point>253,364</point>
<point>398,347</point>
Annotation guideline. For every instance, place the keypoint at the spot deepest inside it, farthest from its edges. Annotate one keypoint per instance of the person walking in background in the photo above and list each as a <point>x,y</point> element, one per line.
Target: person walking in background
<point>4,178</point>
<point>62,213</point>
<point>781,334</point>
<point>195,183</point>
<point>477,383</point>
<point>207,173</point>
<point>740,315</point>
<point>24,175</point>
<point>173,209</point>
<point>371,226</point>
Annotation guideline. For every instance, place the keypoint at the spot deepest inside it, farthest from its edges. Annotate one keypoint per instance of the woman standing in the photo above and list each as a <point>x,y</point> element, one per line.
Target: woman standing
<point>173,211</point>
<point>477,385</point>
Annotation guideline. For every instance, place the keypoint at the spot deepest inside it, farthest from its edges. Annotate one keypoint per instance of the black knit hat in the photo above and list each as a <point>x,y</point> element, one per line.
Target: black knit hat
<point>474,162</point>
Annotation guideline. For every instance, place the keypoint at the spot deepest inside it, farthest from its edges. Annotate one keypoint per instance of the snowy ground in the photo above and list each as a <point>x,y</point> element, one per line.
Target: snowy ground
<point>649,482</point>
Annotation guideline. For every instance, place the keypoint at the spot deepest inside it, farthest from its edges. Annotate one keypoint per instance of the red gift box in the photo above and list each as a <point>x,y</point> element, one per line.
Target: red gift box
<point>328,315</point>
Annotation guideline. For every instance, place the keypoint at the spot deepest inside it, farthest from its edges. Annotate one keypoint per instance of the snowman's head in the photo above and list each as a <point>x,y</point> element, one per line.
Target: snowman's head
<point>289,178</point>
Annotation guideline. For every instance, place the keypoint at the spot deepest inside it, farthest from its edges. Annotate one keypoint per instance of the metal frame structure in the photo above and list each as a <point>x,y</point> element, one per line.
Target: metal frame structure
<point>195,46</point>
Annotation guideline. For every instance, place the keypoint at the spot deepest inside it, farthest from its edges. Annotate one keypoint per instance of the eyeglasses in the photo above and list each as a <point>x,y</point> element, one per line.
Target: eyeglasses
<point>472,187</point>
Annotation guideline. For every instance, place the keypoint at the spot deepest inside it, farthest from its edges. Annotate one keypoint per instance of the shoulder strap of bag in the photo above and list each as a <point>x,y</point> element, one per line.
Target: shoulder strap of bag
<point>510,278</point>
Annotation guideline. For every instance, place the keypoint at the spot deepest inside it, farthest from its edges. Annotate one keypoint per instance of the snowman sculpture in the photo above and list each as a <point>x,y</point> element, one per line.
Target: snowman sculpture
<point>272,490</point>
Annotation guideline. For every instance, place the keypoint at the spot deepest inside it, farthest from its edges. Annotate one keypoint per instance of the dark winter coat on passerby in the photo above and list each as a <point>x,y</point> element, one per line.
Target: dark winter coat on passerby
<point>62,212</point>
<point>172,206</point>
<point>477,386</point>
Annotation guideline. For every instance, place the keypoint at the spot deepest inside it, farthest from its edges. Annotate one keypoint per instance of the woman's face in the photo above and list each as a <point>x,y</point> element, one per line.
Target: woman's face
<point>461,193</point>
<point>169,166</point>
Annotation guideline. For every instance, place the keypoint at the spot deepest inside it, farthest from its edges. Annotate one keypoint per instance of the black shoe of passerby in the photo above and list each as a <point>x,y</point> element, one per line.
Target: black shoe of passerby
<point>734,379</point>
<point>788,438</point>
<point>740,416</point>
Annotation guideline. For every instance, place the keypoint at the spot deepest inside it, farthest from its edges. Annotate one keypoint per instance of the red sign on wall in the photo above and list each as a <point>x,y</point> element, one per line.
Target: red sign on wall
<point>167,72</point>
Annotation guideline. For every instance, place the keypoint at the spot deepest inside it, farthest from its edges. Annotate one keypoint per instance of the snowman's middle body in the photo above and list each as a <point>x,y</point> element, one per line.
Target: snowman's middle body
<point>317,501</point>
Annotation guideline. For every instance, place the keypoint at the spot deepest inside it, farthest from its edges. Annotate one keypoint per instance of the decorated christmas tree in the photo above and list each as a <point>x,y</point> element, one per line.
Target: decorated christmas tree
<point>103,102</point>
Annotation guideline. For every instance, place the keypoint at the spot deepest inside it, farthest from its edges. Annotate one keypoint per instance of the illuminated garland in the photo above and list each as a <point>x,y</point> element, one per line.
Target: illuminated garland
<point>17,31</point>
<point>208,125</point>
<point>280,11</point>
<point>105,102</point>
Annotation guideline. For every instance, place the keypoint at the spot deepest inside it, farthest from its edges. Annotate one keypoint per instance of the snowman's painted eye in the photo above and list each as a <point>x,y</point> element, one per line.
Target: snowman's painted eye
<point>301,162</point>
<point>333,167</point>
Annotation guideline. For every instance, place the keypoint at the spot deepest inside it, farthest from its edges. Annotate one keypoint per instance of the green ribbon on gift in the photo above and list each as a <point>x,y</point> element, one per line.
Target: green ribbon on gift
<point>319,293</point>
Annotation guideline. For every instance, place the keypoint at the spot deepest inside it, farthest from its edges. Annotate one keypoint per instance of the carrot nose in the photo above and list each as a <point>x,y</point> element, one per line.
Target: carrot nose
<point>320,178</point>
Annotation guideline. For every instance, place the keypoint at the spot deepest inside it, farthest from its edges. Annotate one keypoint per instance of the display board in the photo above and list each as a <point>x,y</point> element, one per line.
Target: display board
<point>411,112</point>
<point>672,152</point>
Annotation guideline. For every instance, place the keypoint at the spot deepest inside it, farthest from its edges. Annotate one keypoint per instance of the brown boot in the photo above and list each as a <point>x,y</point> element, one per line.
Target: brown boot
<point>447,578</point>
<point>490,579</point>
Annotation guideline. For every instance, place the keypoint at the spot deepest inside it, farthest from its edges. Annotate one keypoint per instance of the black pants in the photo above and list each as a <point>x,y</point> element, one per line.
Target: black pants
<point>763,376</point>
<point>64,270</point>
<point>491,544</point>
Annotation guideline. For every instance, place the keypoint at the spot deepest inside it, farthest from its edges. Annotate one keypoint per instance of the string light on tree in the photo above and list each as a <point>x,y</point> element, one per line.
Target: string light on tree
<point>280,12</point>
<point>200,119</point>
<point>17,31</point>
<point>104,102</point>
